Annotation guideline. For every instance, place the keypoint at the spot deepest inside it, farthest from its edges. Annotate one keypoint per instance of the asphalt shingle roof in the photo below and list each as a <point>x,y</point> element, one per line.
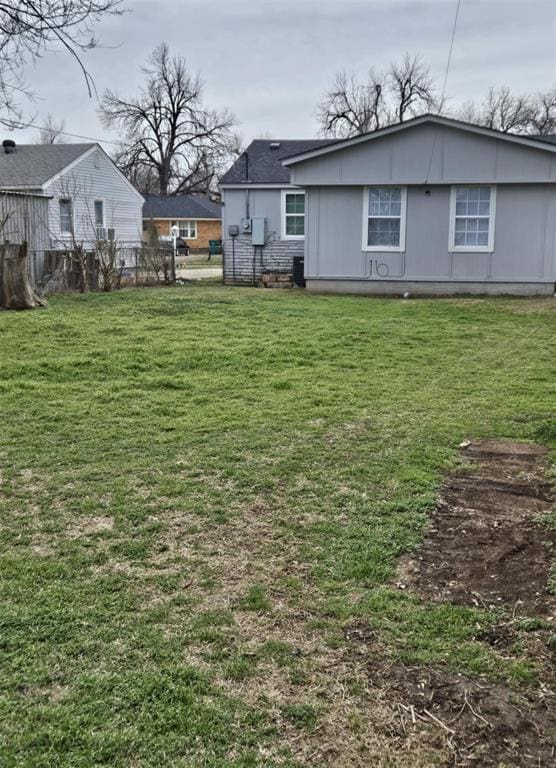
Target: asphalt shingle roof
<point>31,165</point>
<point>264,164</point>
<point>180,207</point>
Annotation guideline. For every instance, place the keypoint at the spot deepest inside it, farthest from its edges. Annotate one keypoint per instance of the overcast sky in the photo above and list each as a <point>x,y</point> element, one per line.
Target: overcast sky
<point>268,61</point>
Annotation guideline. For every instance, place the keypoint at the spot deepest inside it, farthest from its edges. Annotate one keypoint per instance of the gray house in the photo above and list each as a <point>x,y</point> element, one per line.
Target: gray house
<point>429,206</point>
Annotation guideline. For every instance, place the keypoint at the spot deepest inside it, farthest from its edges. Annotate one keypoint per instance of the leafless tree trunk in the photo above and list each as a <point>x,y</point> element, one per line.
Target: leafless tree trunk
<point>167,129</point>
<point>15,288</point>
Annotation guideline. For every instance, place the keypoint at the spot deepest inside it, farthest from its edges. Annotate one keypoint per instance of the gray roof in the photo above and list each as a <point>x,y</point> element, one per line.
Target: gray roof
<point>31,165</point>
<point>180,207</point>
<point>262,164</point>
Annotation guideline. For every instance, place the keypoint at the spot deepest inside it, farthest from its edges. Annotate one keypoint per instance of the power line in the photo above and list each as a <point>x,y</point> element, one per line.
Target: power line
<point>19,126</point>
<point>443,95</point>
<point>450,54</point>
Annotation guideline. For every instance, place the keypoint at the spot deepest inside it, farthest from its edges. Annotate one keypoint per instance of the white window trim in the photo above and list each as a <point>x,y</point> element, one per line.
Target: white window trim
<point>283,235</point>
<point>403,211</point>
<point>177,222</point>
<point>95,201</point>
<point>489,248</point>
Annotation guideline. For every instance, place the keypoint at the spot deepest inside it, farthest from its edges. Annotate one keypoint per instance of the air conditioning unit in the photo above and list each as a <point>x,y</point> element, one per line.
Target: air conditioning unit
<point>101,233</point>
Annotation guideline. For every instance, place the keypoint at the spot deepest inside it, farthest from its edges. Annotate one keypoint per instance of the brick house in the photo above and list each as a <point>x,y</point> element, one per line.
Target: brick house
<point>198,219</point>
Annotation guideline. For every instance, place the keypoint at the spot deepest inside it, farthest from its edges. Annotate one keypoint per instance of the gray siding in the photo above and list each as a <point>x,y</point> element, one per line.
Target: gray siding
<point>524,239</point>
<point>430,152</point>
<point>261,203</point>
<point>244,264</point>
<point>25,218</point>
<point>96,178</point>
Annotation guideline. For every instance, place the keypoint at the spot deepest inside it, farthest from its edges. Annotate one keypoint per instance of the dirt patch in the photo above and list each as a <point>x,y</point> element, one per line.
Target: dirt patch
<point>478,723</point>
<point>485,545</point>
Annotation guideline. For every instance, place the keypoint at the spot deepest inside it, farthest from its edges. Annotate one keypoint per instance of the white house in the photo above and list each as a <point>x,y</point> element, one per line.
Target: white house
<point>89,198</point>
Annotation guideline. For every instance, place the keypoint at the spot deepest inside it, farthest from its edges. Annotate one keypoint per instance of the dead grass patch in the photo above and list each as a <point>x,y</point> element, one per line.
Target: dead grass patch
<point>89,526</point>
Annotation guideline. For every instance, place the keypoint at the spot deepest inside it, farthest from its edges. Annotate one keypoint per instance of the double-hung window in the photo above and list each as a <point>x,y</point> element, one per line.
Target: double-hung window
<point>187,228</point>
<point>65,216</point>
<point>293,214</point>
<point>384,219</point>
<point>472,218</point>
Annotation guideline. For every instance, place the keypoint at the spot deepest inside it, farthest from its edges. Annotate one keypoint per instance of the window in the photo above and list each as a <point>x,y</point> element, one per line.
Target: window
<point>384,219</point>
<point>65,216</point>
<point>293,214</point>
<point>472,218</point>
<point>187,228</point>
<point>99,213</point>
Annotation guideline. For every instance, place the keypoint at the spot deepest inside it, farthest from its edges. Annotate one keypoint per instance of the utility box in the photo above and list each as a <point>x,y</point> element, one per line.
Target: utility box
<point>233,230</point>
<point>258,231</point>
<point>246,226</point>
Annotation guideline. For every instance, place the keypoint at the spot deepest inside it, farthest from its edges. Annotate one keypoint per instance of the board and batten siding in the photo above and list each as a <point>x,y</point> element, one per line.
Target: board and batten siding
<point>431,154</point>
<point>244,264</point>
<point>95,177</point>
<point>523,252</point>
<point>428,160</point>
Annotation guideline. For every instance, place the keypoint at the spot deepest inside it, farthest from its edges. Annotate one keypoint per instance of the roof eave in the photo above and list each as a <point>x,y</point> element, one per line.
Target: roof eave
<point>257,185</point>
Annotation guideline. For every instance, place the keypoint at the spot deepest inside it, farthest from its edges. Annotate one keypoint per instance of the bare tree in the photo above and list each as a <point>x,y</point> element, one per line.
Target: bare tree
<point>350,107</point>
<point>543,113</point>
<point>411,89</point>
<point>501,110</point>
<point>51,132</point>
<point>508,112</point>
<point>167,127</point>
<point>28,28</point>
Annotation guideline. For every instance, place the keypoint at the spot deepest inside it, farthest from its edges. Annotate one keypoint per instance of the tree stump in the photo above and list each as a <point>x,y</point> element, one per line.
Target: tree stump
<point>15,289</point>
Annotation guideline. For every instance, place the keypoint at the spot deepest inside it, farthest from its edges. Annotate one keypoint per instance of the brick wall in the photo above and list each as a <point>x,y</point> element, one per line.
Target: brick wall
<point>207,229</point>
<point>275,256</point>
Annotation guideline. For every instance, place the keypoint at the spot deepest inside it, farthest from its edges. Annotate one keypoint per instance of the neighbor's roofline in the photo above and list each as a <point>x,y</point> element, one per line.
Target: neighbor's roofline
<point>428,118</point>
<point>179,218</point>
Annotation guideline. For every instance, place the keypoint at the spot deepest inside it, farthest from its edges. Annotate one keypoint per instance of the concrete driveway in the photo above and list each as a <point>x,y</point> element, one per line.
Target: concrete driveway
<point>198,273</point>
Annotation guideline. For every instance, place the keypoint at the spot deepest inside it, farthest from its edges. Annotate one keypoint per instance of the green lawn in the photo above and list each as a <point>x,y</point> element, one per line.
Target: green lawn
<point>201,487</point>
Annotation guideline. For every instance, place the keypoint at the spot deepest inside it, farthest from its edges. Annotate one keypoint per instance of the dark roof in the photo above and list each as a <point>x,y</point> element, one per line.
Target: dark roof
<point>180,207</point>
<point>264,163</point>
<point>31,165</point>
